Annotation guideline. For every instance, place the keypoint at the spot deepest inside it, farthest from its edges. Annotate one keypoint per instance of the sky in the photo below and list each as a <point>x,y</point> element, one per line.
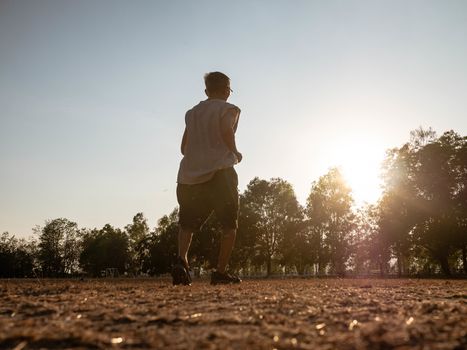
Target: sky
<point>93,95</point>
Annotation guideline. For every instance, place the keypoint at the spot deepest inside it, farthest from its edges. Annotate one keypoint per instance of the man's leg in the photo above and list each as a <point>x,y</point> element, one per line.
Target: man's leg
<point>226,206</point>
<point>180,272</point>
<point>184,241</point>
<point>227,244</point>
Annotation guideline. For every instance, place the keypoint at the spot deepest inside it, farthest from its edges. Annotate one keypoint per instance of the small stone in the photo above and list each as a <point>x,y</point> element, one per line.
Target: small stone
<point>116,340</point>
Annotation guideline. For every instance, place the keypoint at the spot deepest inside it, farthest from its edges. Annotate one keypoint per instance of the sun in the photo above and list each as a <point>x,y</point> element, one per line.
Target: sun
<point>358,154</point>
<point>359,160</point>
<point>363,178</point>
<point>361,166</point>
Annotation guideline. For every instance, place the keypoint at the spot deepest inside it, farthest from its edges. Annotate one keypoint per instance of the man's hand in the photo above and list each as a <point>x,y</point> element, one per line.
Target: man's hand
<point>239,156</point>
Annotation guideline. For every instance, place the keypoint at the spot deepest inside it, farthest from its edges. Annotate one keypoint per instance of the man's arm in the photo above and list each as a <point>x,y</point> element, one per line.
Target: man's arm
<point>182,147</point>
<point>228,126</point>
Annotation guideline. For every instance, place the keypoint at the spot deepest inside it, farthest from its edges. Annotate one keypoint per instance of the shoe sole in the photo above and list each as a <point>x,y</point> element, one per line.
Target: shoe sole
<point>226,282</point>
<point>179,276</point>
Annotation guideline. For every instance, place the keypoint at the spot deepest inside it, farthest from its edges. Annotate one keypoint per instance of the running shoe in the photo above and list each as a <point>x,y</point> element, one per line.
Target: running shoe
<point>224,278</point>
<point>181,273</point>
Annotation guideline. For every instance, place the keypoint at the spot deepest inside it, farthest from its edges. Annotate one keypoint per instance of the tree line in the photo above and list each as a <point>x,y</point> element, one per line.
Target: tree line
<point>418,227</point>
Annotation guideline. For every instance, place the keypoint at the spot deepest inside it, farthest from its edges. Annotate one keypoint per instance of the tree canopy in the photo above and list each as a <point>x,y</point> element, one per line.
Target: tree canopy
<point>418,227</point>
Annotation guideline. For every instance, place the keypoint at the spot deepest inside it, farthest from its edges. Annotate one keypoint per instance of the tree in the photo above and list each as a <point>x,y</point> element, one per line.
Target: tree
<point>274,209</point>
<point>138,232</point>
<point>16,256</point>
<point>423,209</point>
<point>295,247</point>
<point>7,251</point>
<point>104,248</point>
<point>244,250</point>
<point>330,221</point>
<point>58,247</point>
<point>25,257</point>
<point>397,207</point>
<point>205,244</point>
<point>371,249</point>
<point>460,197</point>
<point>360,240</point>
<point>440,179</point>
<point>161,245</point>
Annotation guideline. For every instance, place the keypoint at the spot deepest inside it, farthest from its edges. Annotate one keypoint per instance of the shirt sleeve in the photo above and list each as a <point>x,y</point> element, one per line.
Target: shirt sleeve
<point>230,119</point>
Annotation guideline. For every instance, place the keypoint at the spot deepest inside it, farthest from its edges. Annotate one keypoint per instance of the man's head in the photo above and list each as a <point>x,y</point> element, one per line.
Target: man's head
<point>217,85</point>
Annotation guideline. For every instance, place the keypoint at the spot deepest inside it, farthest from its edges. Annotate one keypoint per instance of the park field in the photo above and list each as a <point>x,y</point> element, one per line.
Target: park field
<point>257,314</point>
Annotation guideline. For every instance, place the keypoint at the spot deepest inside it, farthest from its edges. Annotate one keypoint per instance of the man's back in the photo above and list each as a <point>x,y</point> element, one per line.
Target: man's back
<point>205,150</point>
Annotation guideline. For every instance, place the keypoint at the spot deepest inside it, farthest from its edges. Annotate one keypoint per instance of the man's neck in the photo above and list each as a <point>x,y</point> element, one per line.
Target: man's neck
<point>217,98</point>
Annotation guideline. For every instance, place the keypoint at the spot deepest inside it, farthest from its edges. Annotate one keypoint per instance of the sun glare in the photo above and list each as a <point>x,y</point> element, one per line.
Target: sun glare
<point>361,170</point>
<point>362,177</point>
<point>360,163</point>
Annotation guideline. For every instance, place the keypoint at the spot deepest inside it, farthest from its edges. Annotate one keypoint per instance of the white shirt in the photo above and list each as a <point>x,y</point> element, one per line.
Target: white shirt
<point>205,150</point>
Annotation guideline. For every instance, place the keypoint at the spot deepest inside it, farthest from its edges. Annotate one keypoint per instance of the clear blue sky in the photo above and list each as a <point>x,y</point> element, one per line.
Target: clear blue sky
<point>93,94</point>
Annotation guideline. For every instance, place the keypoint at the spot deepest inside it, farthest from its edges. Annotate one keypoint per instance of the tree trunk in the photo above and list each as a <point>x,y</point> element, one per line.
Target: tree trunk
<point>464,258</point>
<point>399,265</point>
<point>443,260</point>
<point>381,269</point>
<point>268,267</point>
<point>340,268</point>
<point>300,268</point>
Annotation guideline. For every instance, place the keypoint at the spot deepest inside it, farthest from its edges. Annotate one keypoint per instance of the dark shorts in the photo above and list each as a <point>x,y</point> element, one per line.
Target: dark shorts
<point>219,195</point>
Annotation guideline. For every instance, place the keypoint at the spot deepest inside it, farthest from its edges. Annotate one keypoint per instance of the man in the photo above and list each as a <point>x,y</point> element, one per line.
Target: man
<point>207,181</point>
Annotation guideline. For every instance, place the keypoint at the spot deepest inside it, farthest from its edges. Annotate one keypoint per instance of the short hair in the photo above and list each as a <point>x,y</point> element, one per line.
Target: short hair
<point>216,81</point>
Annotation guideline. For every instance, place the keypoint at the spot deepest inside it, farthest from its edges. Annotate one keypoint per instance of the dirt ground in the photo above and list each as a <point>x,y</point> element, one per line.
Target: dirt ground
<point>257,314</point>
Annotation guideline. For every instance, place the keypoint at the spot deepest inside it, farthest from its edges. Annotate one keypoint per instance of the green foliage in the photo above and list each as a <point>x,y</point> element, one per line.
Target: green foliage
<point>423,206</point>
<point>330,221</point>
<point>17,257</point>
<point>243,255</point>
<point>161,245</point>
<point>371,250</point>
<point>58,247</point>
<point>276,216</point>
<point>104,248</point>
<point>138,232</point>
